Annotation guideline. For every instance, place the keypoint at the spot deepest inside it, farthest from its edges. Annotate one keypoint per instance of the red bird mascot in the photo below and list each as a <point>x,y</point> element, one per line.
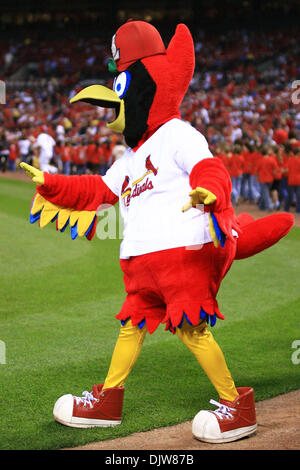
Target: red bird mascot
<point>175,251</point>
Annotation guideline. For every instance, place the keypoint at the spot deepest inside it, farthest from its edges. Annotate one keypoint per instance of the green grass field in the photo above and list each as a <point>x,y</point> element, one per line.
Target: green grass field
<point>58,299</point>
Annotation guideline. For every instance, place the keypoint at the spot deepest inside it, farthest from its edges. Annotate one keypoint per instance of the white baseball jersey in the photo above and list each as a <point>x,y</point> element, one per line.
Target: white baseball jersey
<point>153,185</point>
<point>46,144</point>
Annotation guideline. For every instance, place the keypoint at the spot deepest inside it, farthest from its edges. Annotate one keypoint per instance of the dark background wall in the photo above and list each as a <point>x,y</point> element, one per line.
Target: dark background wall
<point>60,17</point>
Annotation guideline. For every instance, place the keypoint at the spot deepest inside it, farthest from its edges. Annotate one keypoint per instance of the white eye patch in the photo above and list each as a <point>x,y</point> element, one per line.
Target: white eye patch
<point>121,83</point>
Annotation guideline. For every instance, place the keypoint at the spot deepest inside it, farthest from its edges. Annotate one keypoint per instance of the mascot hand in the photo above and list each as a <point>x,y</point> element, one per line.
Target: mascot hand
<point>203,196</point>
<point>199,196</point>
<point>36,175</point>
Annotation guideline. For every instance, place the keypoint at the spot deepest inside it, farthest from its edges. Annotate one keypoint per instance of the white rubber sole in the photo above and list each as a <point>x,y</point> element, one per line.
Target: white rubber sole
<point>230,436</point>
<point>88,423</point>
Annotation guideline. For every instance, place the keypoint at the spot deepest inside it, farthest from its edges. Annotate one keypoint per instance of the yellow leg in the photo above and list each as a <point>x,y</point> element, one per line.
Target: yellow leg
<point>201,343</point>
<point>125,355</point>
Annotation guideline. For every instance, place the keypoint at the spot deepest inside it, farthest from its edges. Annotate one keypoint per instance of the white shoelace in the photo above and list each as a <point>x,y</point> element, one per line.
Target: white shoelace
<point>86,399</point>
<point>223,411</point>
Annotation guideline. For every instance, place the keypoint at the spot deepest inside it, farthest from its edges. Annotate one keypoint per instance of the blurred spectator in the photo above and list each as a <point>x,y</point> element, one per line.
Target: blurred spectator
<point>246,187</point>
<point>118,150</point>
<point>293,167</point>
<point>275,189</point>
<point>281,135</point>
<point>8,59</point>
<point>107,147</point>
<point>13,154</point>
<point>266,169</point>
<point>90,149</point>
<point>98,159</point>
<point>24,148</point>
<point>65,152</point>
<point>82,159</point>
<point>286,153</point>
<point>235,164</point>
<point>45,146</point>
<point>4,152</point>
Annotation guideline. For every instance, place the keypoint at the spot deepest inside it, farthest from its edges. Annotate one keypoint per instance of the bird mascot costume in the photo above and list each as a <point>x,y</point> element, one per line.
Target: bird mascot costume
<point>180,231</point>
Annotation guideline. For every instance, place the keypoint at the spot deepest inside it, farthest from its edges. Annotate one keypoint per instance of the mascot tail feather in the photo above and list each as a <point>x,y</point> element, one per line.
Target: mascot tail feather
<point>257,235</point>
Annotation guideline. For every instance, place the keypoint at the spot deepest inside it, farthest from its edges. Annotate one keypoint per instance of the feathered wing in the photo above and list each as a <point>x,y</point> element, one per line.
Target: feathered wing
<point>82,223</point>
<point>71,200</point>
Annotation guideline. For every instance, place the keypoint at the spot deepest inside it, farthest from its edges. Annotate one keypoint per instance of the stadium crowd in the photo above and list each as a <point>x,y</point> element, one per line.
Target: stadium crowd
<point>241,99</point>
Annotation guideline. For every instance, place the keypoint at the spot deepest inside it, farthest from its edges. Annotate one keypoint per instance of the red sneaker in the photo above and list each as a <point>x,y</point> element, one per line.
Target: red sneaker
<point>101,408</point>
<point>230,422</point>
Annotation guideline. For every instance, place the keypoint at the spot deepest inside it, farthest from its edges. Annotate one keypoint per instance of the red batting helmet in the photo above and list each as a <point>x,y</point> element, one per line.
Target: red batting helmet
<point>135,40</point>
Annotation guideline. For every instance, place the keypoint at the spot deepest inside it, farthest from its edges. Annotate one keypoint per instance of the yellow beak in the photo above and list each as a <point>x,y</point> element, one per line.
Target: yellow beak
<point>99,95</point>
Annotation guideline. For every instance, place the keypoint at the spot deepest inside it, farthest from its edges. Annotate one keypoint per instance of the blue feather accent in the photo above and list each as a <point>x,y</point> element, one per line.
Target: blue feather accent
<point>210,319</point>
<point>187,319</point>
<point>65,226</point>
<point>34,217</point>
<point>220,234</point>
<point>203,314</point>
<point>140,325</point>
<point>90,227</point>
<point>74,232</point>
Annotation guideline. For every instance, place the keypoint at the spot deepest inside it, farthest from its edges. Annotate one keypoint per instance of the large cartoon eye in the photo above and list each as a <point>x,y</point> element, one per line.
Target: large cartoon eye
<point>121,83</point>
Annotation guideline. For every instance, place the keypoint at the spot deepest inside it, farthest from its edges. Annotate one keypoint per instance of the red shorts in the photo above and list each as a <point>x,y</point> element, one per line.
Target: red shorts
<point>165,286</point>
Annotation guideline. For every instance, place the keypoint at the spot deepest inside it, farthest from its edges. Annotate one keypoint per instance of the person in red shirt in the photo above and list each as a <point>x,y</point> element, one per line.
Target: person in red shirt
<point>74,157</point>
<point>293,166</point>
<point>280,136</point>
<point>78,158</point>
<point>98,160</point>
<point>235,168</point>
<point>286,153</point>
<point>266,169</point>
<point>81,159</point>
<point>13,155</point>
<point>107,147</point>
<point>66,151</point>
<point>90,149</point>
<point>293,139</point>
<point>219,153</point>
<point>275,188</point>
<point>246,187</point>
<point>254,184</point>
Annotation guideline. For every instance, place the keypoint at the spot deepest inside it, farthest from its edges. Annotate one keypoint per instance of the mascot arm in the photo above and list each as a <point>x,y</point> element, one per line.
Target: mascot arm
<point>68,200</point>
<point>211,186</point>
<point>212,175</point>
<point>84,192</point>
